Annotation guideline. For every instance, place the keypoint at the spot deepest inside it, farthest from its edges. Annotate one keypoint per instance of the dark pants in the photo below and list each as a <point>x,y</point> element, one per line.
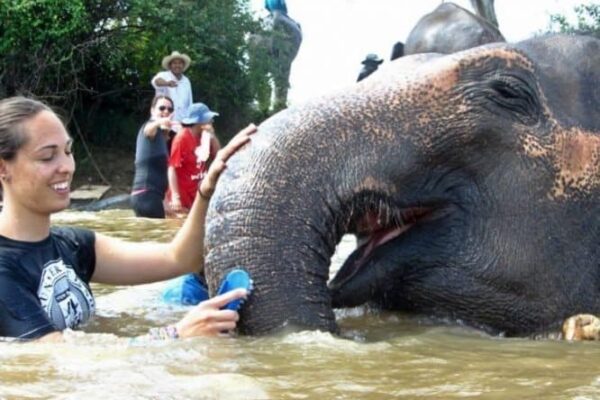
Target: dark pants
<point>148,204</point>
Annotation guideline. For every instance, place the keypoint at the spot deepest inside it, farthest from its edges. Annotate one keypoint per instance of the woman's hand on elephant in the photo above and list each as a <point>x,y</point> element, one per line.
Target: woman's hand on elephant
<point>208,318</point>
<point>207,187</point>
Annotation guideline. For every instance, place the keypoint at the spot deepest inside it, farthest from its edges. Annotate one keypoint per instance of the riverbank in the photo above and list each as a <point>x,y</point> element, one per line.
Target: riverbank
<point>106,166</point>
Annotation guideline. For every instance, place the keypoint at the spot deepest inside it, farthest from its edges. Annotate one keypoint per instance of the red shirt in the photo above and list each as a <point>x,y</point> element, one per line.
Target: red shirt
<point>188,170</point>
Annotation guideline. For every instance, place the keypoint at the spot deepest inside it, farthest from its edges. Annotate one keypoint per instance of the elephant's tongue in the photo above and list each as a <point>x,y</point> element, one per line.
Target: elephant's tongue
<point>372,233</point>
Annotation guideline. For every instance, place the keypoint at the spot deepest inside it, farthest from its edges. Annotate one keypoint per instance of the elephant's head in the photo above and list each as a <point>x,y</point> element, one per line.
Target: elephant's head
<point>472,181</point>
<point>450,28</point>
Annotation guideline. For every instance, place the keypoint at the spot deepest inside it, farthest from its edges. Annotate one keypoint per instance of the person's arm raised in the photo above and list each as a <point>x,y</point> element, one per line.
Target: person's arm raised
<point>161,80</point>
<point>121,262</point>
<point>152,126</point>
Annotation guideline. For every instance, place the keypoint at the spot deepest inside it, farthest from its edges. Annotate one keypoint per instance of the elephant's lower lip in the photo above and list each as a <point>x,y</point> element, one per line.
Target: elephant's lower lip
<point>378,238</point>
<point>366,246</point>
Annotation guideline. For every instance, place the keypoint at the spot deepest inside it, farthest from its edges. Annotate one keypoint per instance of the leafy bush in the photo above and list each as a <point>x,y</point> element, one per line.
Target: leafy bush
<point>94,59</point>
<point>588,21</point>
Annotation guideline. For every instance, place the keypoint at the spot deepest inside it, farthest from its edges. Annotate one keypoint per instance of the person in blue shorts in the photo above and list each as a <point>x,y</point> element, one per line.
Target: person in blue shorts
<point>187,290</point>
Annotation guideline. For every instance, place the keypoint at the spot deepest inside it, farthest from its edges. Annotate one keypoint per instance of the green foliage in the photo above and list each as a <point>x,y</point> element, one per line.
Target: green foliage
<point>37,55</point>
<point>95,59</point>
<point>588,21</point>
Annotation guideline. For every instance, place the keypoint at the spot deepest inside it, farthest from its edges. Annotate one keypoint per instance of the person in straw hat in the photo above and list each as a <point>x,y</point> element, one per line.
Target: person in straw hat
<point>370,65</point>
<point>173,83</point>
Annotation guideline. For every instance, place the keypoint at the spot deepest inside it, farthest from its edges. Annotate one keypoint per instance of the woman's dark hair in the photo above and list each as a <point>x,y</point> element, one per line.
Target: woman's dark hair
<point>14,111</point>
<point>161,96</point>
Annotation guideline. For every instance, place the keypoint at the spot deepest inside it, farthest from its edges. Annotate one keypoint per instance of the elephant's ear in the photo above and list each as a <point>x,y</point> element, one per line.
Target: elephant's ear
<point>575,154</point>
<point>568,74</point>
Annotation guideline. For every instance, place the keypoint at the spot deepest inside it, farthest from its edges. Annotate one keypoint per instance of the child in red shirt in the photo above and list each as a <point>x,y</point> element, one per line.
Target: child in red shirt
<point>191,150</point>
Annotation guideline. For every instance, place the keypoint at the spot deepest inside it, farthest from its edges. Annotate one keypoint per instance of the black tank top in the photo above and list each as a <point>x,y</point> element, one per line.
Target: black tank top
<point>151,162</point>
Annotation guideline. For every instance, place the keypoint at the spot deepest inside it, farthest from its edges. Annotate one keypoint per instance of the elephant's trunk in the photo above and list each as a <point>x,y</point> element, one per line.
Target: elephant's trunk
<point>286,201</point>
<point>269,216</point>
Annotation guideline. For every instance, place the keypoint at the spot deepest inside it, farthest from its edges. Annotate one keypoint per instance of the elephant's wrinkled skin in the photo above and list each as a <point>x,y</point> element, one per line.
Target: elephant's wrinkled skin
<point>472,179</point>
<point>448,29</point>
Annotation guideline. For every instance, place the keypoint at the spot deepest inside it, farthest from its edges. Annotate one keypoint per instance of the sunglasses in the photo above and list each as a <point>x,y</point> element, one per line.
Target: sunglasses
<point>163,108</point>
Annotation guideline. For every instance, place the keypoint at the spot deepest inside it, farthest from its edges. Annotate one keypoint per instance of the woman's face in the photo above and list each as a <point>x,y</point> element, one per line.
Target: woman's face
<point>162,109</point>
<point>40,175</point>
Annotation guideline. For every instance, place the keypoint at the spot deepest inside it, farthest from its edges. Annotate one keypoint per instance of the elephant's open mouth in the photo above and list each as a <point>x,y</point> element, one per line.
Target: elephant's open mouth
<point>374,230</point>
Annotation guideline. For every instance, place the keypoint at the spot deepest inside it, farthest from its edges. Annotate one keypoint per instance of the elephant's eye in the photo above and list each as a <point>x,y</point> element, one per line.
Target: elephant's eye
<point>515,96</point>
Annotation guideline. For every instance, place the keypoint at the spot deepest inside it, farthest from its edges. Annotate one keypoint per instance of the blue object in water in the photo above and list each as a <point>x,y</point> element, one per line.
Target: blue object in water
<point>235,279</point>
<point>187,290</point>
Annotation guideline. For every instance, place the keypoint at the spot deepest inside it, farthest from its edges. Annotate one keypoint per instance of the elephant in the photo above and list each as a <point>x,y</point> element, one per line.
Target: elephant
<point>450,28</point>
<point>471,180</point>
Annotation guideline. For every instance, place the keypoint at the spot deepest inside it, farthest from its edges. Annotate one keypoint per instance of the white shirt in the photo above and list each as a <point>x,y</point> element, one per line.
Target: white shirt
<point>181,94</point>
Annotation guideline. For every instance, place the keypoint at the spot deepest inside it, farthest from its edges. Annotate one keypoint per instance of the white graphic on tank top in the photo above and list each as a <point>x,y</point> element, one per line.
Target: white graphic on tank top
<point>64,297</point>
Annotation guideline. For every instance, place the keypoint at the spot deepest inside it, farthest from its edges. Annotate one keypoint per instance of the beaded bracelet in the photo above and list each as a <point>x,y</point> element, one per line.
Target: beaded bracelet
<point>164,333</point>
<point>168,332</point>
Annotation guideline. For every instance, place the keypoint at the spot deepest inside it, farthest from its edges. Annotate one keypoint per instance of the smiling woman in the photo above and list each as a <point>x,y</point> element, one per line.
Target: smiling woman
<point>45,271</point>
<point>40,173</point>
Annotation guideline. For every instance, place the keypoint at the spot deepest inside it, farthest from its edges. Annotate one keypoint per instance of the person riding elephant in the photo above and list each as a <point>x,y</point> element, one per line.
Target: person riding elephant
<point>287,38</point>
<point>280,44</point>
<point>472,181</point>
<point>370,65</point>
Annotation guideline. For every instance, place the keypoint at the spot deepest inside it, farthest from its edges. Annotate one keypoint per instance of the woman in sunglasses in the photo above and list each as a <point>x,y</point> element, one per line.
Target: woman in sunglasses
<point>151,160</point>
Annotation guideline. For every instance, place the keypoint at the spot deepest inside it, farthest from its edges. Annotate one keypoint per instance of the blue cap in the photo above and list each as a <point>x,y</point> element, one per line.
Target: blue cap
<point>198,113</point>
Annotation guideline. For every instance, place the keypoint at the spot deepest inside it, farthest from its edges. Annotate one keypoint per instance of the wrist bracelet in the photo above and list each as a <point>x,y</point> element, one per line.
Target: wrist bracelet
<point>168,332</point>
<point>172,331</point>
<point>164,333</point>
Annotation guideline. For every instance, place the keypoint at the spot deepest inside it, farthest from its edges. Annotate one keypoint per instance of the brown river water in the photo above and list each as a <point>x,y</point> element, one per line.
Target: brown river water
<point>378,356</point>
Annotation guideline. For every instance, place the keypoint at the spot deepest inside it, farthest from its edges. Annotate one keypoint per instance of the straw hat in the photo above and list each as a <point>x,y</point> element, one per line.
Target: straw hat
<point>174,55</point>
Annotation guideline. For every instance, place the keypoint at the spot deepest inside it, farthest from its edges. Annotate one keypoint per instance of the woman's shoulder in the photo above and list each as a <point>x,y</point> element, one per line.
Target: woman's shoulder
<point>56,232</point>
<point>142,127</point>
<point>73,235</point>
<point>13,252</point>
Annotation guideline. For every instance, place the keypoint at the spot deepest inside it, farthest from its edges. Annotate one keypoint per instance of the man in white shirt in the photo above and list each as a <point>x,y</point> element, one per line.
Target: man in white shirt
<point>173,83</point>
